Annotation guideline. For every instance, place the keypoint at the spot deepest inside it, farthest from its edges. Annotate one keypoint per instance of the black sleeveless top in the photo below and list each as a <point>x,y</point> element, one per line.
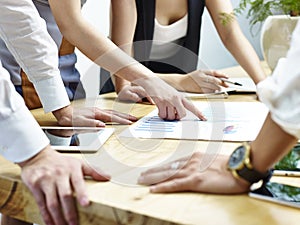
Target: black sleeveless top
<point>184,61</point>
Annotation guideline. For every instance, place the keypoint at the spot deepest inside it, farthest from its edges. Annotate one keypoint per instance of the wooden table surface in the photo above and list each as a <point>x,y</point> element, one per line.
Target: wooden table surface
<point>122,201</point>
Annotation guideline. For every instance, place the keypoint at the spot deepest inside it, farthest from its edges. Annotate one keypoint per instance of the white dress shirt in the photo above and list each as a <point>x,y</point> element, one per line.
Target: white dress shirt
<point>281,91</point>
<point>25,35</point>
<point>20,135</point>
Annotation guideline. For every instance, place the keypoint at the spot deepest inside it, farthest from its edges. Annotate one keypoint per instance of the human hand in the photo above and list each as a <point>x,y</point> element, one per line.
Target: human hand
<point>203,81</point>
<point>185,175</point>
<point>134,94</point>
<point>53,178</point>
<point>171,104</point>
<point>90,117</point>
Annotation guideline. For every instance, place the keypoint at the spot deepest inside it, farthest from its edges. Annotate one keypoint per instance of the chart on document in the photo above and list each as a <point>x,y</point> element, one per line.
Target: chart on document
<point>226,121</point>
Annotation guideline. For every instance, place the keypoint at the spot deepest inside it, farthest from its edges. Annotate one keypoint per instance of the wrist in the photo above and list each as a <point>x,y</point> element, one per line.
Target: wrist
<point>184,82</point>
<point>258,165</point>
<point>122,87</point>
<point>63,114</point>
<point>41,154</point>
<point>241,167</point>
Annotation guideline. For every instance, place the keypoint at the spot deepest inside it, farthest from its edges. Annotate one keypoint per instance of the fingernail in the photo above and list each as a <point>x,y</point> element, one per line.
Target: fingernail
<point>84,201</point>
<point>140,180</point>
<point>100,124</point>
<point>152,189</point>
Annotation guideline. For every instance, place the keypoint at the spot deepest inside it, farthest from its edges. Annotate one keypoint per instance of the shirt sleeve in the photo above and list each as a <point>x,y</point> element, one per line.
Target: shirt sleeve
<point>20,135</point>
<point>281,91</point>
<point>25,35</point>
<point>57,140</point>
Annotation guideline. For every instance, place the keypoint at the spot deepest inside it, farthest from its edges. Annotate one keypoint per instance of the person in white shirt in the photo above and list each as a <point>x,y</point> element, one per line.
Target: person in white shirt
<point>46,76</point>
<point>281,130</point>
<point>50,176</point>
<point>21,139</point>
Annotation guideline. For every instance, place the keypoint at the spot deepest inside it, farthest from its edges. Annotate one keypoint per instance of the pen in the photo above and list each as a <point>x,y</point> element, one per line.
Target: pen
<point>231,82</point>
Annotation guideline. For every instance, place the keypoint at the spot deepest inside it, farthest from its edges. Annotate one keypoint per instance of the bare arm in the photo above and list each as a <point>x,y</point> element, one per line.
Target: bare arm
<point>234,40</point>
<point>123,22</point>
<point>101,50</point>
<point>271,145</point>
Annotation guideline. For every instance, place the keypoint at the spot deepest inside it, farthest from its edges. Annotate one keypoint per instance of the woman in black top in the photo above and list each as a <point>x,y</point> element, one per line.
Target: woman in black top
<point>135,21</point>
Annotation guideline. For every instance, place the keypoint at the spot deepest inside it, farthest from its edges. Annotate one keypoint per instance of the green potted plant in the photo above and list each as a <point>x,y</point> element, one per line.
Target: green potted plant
<point>260,10</point>
<point>279,18</point>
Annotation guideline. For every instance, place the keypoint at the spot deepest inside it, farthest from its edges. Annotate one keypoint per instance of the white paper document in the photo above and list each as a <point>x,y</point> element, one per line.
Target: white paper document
<point>226,121</point>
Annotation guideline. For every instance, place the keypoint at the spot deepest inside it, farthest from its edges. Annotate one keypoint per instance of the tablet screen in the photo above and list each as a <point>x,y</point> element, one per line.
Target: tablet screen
<point>82,139</point>
<point>279,193</point>
<point>290,164</point>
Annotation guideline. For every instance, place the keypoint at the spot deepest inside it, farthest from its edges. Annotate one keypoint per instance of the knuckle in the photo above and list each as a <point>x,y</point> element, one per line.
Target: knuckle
<point>178,184</point>
<point>71,216</point>
<point>197,179</point>
<point>52,205</point>
<point>67,195</point>
<point>59,171</point>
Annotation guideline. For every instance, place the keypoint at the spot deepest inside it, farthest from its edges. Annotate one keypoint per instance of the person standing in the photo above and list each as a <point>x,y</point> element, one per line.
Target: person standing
<point>165,35</point>
<point>50,176</point>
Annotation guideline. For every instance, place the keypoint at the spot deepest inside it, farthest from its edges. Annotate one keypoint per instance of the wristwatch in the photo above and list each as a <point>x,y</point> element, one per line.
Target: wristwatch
<point>240,165</point>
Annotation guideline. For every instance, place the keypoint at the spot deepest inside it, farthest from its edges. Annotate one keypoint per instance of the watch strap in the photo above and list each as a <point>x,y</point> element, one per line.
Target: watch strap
<point>252,175</point>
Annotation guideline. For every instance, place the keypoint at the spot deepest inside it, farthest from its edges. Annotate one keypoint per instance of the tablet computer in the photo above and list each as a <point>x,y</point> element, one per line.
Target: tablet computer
<point>290,164</point>
<point>77,139</point>
<point>278,193</point>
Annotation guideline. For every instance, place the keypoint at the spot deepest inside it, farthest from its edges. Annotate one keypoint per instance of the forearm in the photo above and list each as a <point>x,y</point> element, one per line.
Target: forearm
<point>234,39</point>
<point>245,55</point>
<point>120,83</point>
<point>123,21</point>
<point>271,144</point>
<point>107,55</point>
<point>175,80</point>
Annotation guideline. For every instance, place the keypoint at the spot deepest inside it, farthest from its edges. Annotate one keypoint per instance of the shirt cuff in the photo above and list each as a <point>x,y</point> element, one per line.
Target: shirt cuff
<point>21,136</point>
<point>283,105</point>
<point>57,140</point>
<point>52,93</point>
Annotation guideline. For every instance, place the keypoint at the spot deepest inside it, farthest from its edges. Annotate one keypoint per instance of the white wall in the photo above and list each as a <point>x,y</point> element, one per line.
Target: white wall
<point>97,13</point>
<point>212,52</point>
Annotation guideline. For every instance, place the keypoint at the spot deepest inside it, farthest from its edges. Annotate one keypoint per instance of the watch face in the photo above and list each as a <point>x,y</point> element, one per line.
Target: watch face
<point>237,158</point>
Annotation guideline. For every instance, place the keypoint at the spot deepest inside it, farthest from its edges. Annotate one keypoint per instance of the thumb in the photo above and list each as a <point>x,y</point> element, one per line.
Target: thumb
<point>95,174</point>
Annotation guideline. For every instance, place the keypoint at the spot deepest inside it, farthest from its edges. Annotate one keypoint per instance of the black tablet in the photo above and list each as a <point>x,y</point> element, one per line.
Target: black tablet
<point>290,164</point>
<point>278,193</point>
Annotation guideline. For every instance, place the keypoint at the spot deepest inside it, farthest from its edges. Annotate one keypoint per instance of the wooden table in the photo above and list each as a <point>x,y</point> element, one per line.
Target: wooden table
<point>121,201</point>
